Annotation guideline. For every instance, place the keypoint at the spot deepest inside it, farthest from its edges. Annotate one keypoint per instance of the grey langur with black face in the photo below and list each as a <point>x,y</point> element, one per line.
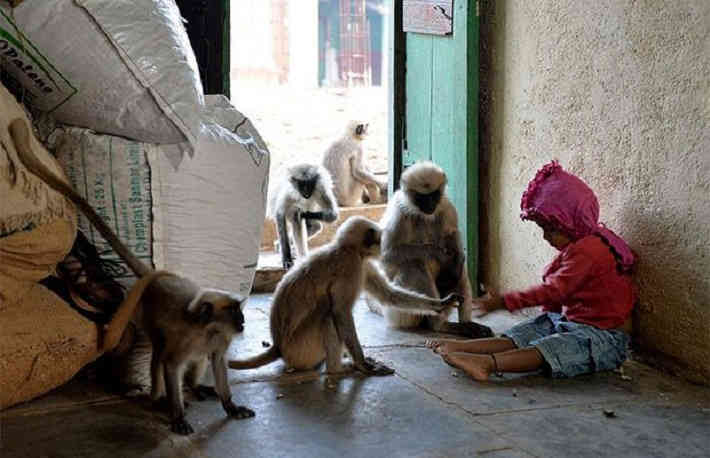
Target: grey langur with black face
<point>353,182</point>
<point>187,325</point>
<point>312,310</point>
<point>422,251</point>
<point>301,197</point>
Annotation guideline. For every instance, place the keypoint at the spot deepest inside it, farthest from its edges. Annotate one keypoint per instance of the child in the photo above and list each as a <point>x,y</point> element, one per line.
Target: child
<point>586,294</point>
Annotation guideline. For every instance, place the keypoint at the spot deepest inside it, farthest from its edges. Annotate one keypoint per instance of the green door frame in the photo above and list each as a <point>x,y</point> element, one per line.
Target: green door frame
<point>434,111</point>
<point>396,94</point>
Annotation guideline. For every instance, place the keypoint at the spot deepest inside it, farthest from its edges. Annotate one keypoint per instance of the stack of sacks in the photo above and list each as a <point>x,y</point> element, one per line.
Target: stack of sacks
<point>124,84</point>
<point>202,219</point>
<point>43,342</point>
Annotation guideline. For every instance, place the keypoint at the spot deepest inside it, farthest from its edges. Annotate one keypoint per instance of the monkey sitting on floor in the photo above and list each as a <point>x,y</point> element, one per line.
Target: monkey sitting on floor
<point>301,197</point>
<point>353,182</point>
<point>187,325</point>
<point>312,312</point>
<point>422,251</point>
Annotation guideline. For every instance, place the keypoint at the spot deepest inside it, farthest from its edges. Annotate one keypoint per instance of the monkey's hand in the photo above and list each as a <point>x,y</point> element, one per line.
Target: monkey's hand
<point>236,411</point>
<point>327,216</point>
<point>369,366</point>
<point>312,215</point>
<point>452,299</point>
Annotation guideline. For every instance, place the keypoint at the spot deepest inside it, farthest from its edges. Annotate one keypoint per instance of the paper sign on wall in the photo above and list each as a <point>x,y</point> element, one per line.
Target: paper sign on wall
<point>428,16</point>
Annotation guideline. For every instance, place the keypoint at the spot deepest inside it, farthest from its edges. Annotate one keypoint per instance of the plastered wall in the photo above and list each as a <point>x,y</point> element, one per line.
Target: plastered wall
<point>619,92</point>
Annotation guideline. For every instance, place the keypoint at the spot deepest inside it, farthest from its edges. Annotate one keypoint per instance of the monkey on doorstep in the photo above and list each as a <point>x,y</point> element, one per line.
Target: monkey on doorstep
<point>300,198</point>
<point>353,182</point>
<point>187,325</point>
<point>422,251</point>
<point>312,312</point>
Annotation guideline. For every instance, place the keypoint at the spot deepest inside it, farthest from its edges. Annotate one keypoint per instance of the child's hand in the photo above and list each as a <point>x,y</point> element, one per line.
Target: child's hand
<point>487,303</point>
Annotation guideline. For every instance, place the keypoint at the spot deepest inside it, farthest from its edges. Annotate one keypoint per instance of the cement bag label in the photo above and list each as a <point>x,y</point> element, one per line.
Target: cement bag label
<point>113,175</point>
<point>44,87</point>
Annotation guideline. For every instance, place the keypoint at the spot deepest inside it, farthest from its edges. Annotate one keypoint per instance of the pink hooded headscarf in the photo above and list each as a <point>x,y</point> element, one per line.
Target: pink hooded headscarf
<point>565,202</point>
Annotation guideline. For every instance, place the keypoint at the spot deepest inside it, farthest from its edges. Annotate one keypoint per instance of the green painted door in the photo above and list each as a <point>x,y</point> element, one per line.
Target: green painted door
<point>436,111</point>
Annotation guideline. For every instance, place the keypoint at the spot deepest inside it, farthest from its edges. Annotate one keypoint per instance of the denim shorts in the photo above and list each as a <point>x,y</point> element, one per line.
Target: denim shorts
<point>571,348</point>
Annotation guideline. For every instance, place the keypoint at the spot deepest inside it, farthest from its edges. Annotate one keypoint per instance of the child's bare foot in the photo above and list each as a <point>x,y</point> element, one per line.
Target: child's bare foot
<point>444,346</point>
<point>479,367</point>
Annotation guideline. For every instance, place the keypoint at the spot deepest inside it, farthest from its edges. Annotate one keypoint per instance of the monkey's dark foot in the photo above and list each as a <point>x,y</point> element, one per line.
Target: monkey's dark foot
<point>287,264</point>
<point>181,426</point>
<point>471,330</point>
<point>236,411</point>
<point>373,367</point>
<point>203,392</point>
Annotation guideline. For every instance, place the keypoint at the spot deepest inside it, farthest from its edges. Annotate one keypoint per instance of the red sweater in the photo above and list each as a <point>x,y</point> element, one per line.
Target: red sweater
<point>583,284</point>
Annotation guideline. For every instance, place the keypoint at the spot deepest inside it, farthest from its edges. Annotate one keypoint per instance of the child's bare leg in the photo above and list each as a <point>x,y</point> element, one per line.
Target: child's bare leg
<point>481,366</point>
<point>481,346</point>
<point>520,360</point>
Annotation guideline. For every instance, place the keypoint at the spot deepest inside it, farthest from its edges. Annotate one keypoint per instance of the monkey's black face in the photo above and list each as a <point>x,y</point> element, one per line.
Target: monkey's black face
<point>361,129</point>
<point>231,314</point>
<point>305,187</point>
<point>236,316</point>
<point>372,238</point>
<point>372,242</point>
<point>427,203</point>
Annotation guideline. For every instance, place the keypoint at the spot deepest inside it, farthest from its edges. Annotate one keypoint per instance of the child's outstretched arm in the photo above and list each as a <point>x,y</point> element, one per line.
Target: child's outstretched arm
<point>487,303</point>
<point>573,270</point>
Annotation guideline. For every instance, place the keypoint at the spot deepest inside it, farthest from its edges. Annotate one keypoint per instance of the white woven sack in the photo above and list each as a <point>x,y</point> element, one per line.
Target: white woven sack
<point>118,67</point>
<point>209,211</point>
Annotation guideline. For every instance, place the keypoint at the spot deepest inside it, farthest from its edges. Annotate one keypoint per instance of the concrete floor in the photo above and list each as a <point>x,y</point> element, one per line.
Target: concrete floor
<point>425,410</point>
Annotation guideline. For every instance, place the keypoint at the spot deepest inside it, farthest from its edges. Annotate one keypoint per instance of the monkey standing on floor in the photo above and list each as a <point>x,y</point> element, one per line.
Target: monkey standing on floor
<point>354,183</point>
<point>312,312</point>
<point>422,251</point>
<point>301,197</point>
<point>186,324</point>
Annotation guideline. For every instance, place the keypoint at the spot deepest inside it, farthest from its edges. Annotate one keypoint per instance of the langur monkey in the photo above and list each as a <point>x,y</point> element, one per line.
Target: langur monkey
<point>422,251</point>
<point>353,182</point>
<point>187,325</point>
<point>312,311</point>
<point>301,198</point>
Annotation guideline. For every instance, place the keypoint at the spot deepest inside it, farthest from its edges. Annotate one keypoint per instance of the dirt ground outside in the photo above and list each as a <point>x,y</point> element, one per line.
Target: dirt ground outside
<point>298,124</point>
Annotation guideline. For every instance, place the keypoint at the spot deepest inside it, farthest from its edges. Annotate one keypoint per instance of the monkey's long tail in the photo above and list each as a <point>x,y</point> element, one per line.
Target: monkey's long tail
<point>114,329</point>
<point>269,356</point>
<point>20,134</point>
